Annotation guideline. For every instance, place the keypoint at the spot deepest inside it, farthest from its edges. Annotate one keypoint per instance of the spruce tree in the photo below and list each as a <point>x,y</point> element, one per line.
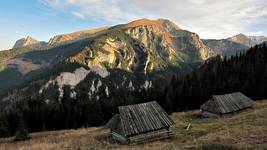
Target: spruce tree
<point>22,132</point>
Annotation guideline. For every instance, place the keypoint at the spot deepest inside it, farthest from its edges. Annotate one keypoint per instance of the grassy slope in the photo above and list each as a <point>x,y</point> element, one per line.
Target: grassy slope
<point>246,130</point>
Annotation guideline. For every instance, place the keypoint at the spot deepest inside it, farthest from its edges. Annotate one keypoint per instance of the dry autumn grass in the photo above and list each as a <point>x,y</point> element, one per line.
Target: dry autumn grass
<point>245,130</point>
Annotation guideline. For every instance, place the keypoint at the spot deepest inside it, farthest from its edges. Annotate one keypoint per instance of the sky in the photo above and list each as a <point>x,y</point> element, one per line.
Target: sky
<point>211,19</point>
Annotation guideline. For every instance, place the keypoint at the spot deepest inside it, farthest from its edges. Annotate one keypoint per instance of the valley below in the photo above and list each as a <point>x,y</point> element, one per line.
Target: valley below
<point>244,130</point>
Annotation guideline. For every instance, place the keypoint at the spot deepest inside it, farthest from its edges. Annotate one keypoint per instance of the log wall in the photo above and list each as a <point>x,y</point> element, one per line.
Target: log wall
<point>150,136</point>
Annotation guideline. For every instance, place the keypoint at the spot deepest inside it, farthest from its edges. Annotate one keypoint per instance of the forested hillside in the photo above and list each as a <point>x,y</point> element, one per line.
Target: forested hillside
<point>246,73</point>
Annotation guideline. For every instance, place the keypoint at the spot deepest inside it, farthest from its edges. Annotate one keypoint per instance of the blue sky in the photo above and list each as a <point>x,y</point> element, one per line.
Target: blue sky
<point>43,19</point>
<point>20,18</point>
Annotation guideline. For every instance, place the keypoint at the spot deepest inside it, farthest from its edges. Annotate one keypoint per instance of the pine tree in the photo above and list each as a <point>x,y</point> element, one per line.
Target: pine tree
<point>22,132</point>
<point>4,132</point>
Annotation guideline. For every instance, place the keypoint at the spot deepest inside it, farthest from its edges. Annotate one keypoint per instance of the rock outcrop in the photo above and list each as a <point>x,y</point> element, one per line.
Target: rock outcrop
<point>144,46</point>
<point>29,42</point>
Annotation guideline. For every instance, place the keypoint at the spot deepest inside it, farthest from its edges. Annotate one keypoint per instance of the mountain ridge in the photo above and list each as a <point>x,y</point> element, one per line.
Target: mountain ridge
<point>248,41</point>
<point>239,43</point>
<point>163,24</point>
<point>141,48</point>
<point>78,35</point>
<point>29,42</point>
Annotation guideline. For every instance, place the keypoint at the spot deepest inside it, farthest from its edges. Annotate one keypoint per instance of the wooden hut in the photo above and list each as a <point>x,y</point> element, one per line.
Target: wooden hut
<point>140,123</point>
<point>226,104</point>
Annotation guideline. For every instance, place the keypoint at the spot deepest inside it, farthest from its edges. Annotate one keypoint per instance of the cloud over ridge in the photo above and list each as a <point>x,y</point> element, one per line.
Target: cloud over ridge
<point>209,18</point>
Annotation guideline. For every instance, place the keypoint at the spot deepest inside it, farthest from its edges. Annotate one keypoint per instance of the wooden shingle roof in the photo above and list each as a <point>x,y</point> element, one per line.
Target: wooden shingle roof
<point>140,118</point>
<point>222,104</point>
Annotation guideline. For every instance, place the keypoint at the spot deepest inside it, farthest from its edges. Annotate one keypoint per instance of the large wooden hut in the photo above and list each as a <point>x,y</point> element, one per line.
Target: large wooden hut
<point>140,123</point>
<point>226,104</point>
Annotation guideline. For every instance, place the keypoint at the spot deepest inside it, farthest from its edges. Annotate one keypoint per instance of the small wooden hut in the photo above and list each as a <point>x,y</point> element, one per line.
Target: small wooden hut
<point>226,104</point>
<point>140,123</point>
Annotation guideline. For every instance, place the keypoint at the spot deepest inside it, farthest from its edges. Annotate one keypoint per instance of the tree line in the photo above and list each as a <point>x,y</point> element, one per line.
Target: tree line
<point>244,72</point>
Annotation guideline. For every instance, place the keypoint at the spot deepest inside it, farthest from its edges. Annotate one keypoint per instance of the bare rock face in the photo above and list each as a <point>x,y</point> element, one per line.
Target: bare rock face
<point>193,46</point>
<point>173,41</point>
<point>29,42</point>
<point>158,45</point>
<point>109,52</point>
<point>144,46</point>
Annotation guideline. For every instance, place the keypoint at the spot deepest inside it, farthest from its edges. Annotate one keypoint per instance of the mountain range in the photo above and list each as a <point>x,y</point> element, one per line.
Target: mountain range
<point>226,46</point>
<point>128,55</point>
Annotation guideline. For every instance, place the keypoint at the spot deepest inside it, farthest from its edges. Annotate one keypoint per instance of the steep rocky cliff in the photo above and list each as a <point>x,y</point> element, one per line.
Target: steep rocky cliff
<point>171,39</point>
<point>144,46</point>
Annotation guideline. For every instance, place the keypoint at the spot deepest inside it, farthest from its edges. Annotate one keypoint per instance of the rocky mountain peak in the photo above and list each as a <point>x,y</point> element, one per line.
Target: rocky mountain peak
<point>162,24</point>
<point>169,25</point>
<point>28,42</point>
<point>167,35</point>
<point>142,22</point>
<point>29,38</point>
<point>144,46</point>
<point>238,38</point>
<point>247,40</point>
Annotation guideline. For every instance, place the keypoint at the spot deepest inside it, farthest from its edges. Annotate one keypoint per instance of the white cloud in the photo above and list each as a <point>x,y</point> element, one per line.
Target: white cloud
<point>105,10</point>
<point>78,14</point>
<point>209,18</point>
